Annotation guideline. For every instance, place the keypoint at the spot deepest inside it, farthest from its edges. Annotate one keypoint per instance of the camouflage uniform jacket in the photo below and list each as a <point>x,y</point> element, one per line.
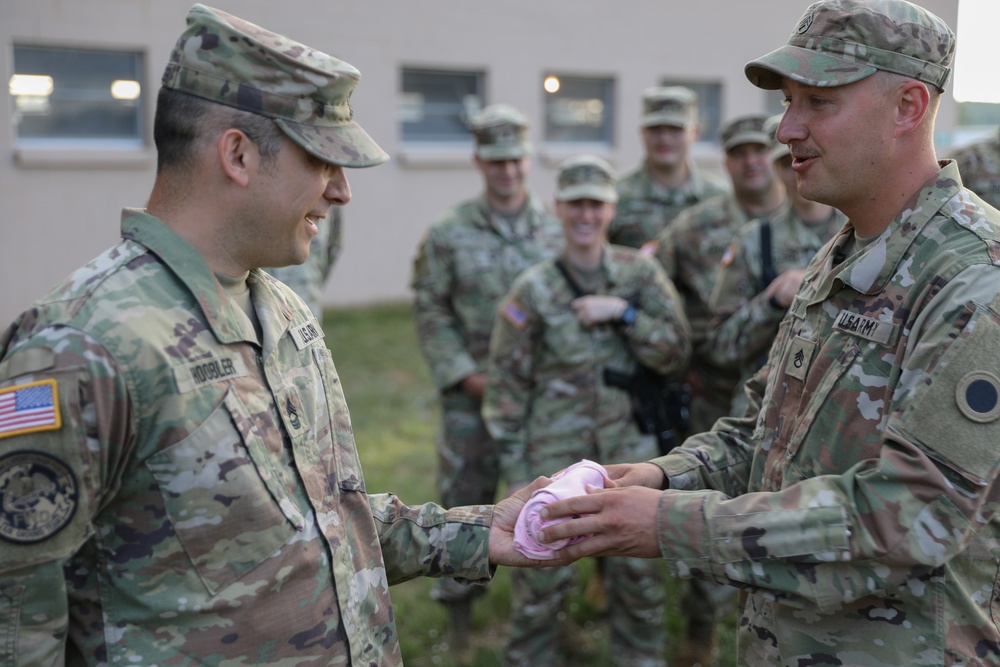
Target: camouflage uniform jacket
<point>546,403</point>
<point>690,251</point>
<point>645,206</point>
<point>744,322</point>
<point>464,268</point>
<point>857,502</point>
<point>203,496</point>
<point>979,164</point>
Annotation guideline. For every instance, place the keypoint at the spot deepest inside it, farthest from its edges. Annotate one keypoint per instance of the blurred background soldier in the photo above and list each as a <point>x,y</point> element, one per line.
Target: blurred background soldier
<point>666,182</point>
<point>464,267</point>
<point>549,404</point>
<point>761,271</point>
<point>309,278</point>
<point>690,251</point>
<point>979,164</point>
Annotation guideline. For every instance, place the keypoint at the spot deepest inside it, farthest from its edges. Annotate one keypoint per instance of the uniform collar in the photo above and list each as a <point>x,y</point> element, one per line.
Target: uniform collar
<point>869,269</point>
<point>530,214</point>
<point>692,189</point>
<point>191,270</point>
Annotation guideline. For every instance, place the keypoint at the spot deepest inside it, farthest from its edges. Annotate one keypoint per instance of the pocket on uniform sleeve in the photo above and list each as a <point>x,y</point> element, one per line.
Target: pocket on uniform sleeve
<point>956,418</point>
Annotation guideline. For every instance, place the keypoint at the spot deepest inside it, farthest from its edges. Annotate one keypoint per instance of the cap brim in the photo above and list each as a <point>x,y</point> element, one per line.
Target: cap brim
<point>345,145</point>
<point>588,191</point>
<point>490,153</point>
<point>809,67</point>
<point>654,120</point>
<point>747,138</point>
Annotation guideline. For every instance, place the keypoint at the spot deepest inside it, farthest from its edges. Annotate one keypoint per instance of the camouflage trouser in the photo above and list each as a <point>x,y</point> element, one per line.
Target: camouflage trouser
<point>468,470</point>
<point>635,594</point>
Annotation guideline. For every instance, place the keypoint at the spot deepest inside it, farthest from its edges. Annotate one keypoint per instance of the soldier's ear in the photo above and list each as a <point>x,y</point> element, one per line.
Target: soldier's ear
<point>237,155</point>
<point>913,101</point>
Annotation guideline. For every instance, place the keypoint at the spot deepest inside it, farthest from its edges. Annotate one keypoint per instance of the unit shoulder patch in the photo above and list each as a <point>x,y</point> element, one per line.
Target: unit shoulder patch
<point>978,396</point>
<point>38,496</point>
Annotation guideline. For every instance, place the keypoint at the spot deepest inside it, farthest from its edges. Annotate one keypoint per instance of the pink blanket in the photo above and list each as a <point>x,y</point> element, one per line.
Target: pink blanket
<point>569,482</point>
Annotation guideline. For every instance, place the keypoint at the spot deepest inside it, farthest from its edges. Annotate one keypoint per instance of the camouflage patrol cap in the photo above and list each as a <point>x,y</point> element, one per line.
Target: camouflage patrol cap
<point>224,59</point>
<point>837,42</point>
<point>744,130</point>
<point>670,105</point>
<point>586,177</point>
<point>778,149</point>
<point>501,133</point>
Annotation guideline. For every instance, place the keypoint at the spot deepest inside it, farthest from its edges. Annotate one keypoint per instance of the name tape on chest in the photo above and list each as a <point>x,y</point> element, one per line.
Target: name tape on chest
<point>864,327</point>
<point>306,334</point>
<point>204,371</point>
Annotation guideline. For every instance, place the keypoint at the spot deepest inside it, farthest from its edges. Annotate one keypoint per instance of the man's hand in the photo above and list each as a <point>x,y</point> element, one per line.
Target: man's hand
<point>637,474</point>
<point>596,308</point>
<point>474,385</point>
<point>505,515</point>
<point>618,521</point>
<point>512,489</point>
<point>783,288</point>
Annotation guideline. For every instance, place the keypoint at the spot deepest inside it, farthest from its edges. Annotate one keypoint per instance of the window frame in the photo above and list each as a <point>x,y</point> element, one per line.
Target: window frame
<point>87,148</point>
<point>609,112</point>
<point>459,139</point>
<point>709,127</point>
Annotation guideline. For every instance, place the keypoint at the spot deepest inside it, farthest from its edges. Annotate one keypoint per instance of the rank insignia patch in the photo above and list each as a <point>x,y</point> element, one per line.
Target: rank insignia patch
<point>38,496</point>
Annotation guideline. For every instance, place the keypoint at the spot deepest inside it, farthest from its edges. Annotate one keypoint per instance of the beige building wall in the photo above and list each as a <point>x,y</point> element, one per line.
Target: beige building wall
<point>59,208</point>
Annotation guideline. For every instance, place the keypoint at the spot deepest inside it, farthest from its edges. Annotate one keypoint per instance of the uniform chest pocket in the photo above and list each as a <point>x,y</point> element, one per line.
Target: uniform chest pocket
<point>565,342</point>
<point>225,505</point>
<point>346,466</point>
<point>845,402</point>
<point>472,261</point>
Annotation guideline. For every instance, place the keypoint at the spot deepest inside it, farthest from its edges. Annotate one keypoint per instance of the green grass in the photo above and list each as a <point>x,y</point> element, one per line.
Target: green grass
<point>394,412</point>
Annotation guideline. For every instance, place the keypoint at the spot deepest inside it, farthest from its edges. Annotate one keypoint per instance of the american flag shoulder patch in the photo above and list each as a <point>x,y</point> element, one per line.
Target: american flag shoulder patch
<point>728,256</point>
<point>29,407</point>
<point>514,313</point>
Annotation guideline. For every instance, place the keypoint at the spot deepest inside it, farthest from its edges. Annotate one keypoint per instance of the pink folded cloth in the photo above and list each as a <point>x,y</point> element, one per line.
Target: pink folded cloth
<point>565,484</point>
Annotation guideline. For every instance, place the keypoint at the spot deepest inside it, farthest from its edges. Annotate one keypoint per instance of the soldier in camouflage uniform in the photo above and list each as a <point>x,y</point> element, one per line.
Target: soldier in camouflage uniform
<point>979,164</point>
<point>548,404</point>
<point>690,250</point>
<point>464,266</point>
<point>179,483</point>
<point>692,247</point>
<point>667,182</point>
<point>308,279</point>
<point>857,502</point>
<point>760,273</point>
